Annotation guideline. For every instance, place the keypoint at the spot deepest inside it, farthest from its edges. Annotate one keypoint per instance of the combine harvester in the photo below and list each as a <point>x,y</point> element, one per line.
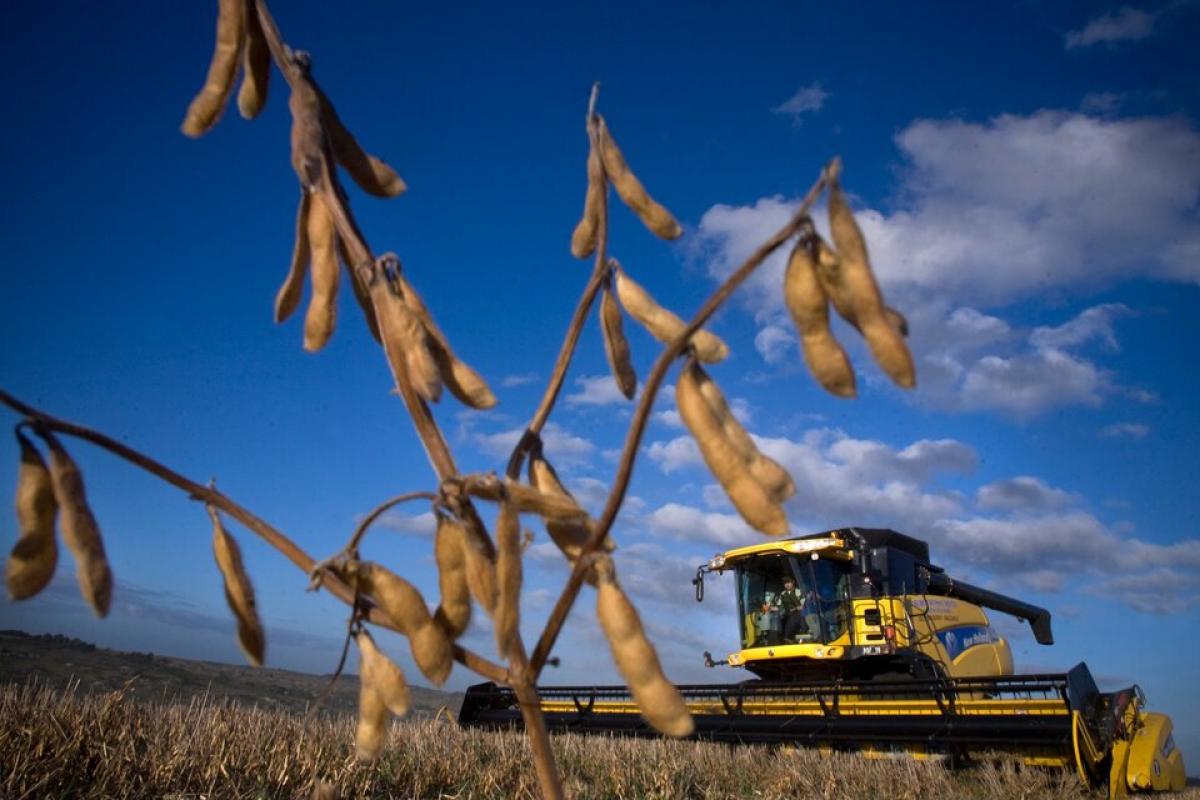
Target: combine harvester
<point>884,653</point>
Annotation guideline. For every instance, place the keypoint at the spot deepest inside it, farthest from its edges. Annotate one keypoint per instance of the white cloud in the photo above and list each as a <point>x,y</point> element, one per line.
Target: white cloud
<point>990,214</point>
<point>596,390</point>
<point>1004,209</point>
<point>675,454</point>
<point>714,496</point>
<point>916,463</point>
<point>844,481</point>
<point>1025,374</point>
<point>807,100</point>
<point>669,417</point>
<point>420,524</point>
<point>1125,430</point>
<point>1029,384</point>
<point>1022,493</point>
<point>561,446</point>
<point>1163,591</point>
<point>776,343</point>
<point>1094,323</point>
<point>1124,25</point>
<point>651,572</point>
<point>509,381</point>
<point>1070,544</point>
<point>691,524</point>
<point>993,212</point>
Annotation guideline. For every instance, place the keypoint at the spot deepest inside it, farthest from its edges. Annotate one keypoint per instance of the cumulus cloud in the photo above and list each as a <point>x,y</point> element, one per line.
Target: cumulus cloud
<point>916,463</point>
<point>807,100</point>
<point>649,571</point>
<point>973,361</point>
<point>1127,24</point>
<point>999,210</point>
<point>1074,543</point>
<point>1163,591</point>
<point>1094,323</point>
<point>596,390</point>
<point>675,454</point>
<point>691,524</point>
<point>509,381</point>
<point>989,213</point>
<point>1125,430</point>
<point>1022,493</point>
<point>839,480</point>
<point>419,525</point>
<point>776,343</point>
<point>562,447</point>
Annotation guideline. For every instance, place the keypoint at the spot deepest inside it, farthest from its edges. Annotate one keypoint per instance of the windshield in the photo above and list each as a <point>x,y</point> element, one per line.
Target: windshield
<point>787,599</point>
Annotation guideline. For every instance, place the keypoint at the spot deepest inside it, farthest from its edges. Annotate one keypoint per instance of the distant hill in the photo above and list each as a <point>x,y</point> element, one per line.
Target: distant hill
<point>58,661</point>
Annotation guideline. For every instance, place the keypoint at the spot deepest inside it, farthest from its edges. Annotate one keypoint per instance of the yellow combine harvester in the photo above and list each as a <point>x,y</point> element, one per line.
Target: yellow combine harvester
<point>859,642</point>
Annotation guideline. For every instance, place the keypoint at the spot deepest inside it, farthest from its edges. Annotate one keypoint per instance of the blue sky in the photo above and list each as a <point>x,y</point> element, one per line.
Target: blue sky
<point>1027,175</point>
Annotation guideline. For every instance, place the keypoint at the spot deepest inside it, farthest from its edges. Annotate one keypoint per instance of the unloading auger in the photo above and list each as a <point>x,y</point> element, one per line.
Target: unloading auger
<point>859,642</point>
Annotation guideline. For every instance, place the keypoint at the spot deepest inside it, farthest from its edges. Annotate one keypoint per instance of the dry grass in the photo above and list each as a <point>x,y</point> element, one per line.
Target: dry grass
<point>68,744</point>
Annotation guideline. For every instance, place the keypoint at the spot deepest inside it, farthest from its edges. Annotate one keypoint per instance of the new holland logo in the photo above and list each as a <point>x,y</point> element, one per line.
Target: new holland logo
<point>958,640</point>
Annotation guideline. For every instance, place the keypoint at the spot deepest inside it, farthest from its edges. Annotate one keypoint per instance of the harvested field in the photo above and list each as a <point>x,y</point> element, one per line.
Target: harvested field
<point>71,744</point>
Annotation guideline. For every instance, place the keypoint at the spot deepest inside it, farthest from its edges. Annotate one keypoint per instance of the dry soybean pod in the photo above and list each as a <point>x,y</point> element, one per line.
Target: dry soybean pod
<point>79,529</point>
<point>256,66</point>
<point>661,323</point>
<point>630,189</point>
<point>749,497</point>
<point>569,535</point>
<point>529,500</point>
<point>616,346</point>
<point>885,342</point>
<point>382,674</point>
<point>370,734</point>
<point>774,478</point>
<point>321,317</point>
<point>829,273</point>
<point>35,555</point>
<point>449,551</point>
<point>481,566</point>
<point>462,381</point>
<point>206,107</point>
<point>288,298</point>
<point>809,307</point>
<point>239,593</point>
<point>659,700</point>
<point>309,147</point>
<point>401,601</point>
<point>583,238</point>
<point>372,174</point>
<point>507,618</point>
<point>404,338</point>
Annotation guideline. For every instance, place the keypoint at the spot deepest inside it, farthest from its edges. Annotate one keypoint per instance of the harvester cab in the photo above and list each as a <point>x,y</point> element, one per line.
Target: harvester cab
<point>860,603</point>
